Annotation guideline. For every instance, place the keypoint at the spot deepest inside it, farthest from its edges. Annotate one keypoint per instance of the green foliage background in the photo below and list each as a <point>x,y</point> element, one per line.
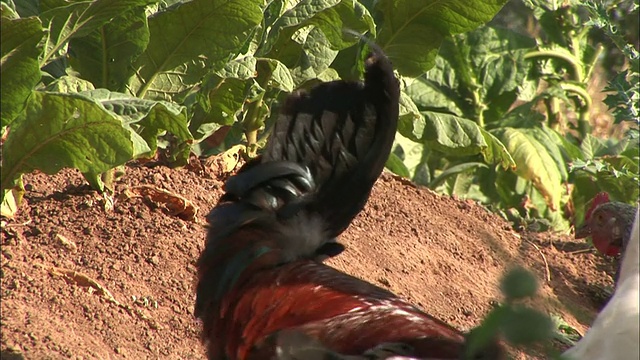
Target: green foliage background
<point>495,111</point>
<point>492,110</point>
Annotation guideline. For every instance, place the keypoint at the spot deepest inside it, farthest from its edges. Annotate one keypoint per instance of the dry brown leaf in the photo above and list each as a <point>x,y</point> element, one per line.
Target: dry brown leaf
<point>66,243</point>
<point>174,204</point>
<point>223,164</point>
<point>80,279</point>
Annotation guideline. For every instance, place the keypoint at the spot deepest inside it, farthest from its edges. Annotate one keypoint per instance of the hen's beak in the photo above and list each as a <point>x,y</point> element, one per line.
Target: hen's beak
<point>583,231</point>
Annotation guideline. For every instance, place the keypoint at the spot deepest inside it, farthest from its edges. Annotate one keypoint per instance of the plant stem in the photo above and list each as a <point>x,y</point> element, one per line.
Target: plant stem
<point>254,118</point>
<point>584,106</point>
<point>599,50</point>
<point>572,61</point>
<point>253,121</point>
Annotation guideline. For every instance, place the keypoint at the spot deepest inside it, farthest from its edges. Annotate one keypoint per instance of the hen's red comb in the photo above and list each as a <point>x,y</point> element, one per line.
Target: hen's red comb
<point>599,199</point>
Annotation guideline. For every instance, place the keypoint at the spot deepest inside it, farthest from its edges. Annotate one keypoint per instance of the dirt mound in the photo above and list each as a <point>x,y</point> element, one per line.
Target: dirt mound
<point>82,282</point>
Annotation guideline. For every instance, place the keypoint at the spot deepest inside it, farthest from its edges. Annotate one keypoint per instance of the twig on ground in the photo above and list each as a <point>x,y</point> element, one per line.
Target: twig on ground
<point>77,278</point>
<point>544,258</point>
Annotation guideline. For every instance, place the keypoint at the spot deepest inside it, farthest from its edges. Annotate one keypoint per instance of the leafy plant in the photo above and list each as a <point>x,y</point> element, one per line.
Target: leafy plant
<point>503,118</point>
<point>518,324</point>
<point>93,84</point>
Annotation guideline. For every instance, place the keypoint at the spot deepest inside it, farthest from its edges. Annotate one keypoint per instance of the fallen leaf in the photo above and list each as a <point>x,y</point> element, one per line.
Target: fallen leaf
<point>175,205</point>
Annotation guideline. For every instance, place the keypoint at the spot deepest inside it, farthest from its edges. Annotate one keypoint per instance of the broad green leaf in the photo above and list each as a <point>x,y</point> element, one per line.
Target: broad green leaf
<point>533,163</point>
<point>8,11</point>
<point>412,154</point>
<point>408,110</point>
<point>78,19</point>
<point>547,138</point>
<point>591,147</point>
<point>497,56</point>
<point>72,131</point>
<point>26,8</point>
<point>412,31</point>
<point>459,184</point>
<point>328,75</point>
<point>455,136</point>
<point>148,118</point>
<point>437,89</point>
<point>455,170</point>
<point>496,152</point>
<point>571,152</point>
<point>477,75</point>
<point>543,217</point>
<point>331,17</point>
<point>395,165</point>
<point>69,84</point>
<point>307,55</point>
<point>446,133</point>
<point>19,66</point>
<point>280,77</point>
<point>223,96</point>
<point>243,68</point>
<point>104,56</point>
<point>349,62</point>
<point>187,39</point>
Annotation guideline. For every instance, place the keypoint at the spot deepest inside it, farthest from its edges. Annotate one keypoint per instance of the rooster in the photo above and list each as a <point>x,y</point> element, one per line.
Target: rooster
<point>615,332</point>
<point>609,225</point>
<point>262,291</point>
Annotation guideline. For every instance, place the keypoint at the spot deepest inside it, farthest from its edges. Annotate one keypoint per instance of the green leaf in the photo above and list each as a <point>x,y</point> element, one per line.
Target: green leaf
<point>11,199</point>
<point>329,16</point>
<point>444,132</point>
<point>624,96</point>
<point>73,131</point>
<point>395,165</point>
<point>496,152</point>
<point>280,76</point>
<point>483,335</point>
<point>27,8</point>
<point>533,162</point>
<point>69,84</point>
<point>455,170</point>
<point>498,61</point>
<point>19,66</point>
<point>408,110</point>
<point>187,39</point>
<point>223,96</point>
<point>571,152</point>
<point>104,56</point>
<point>518,283</point>
<point>459,184</point>
<point>148,118</point>
<point>455,136</point>
<point>437,89</point>
<point>547,138</point>
<point>78,19</point>
<point>591,147</point>
<point>477,75</point>
<point>307,55</point>
<point>412,31</point>
<point>412,154</point>
<point>525,326</point>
